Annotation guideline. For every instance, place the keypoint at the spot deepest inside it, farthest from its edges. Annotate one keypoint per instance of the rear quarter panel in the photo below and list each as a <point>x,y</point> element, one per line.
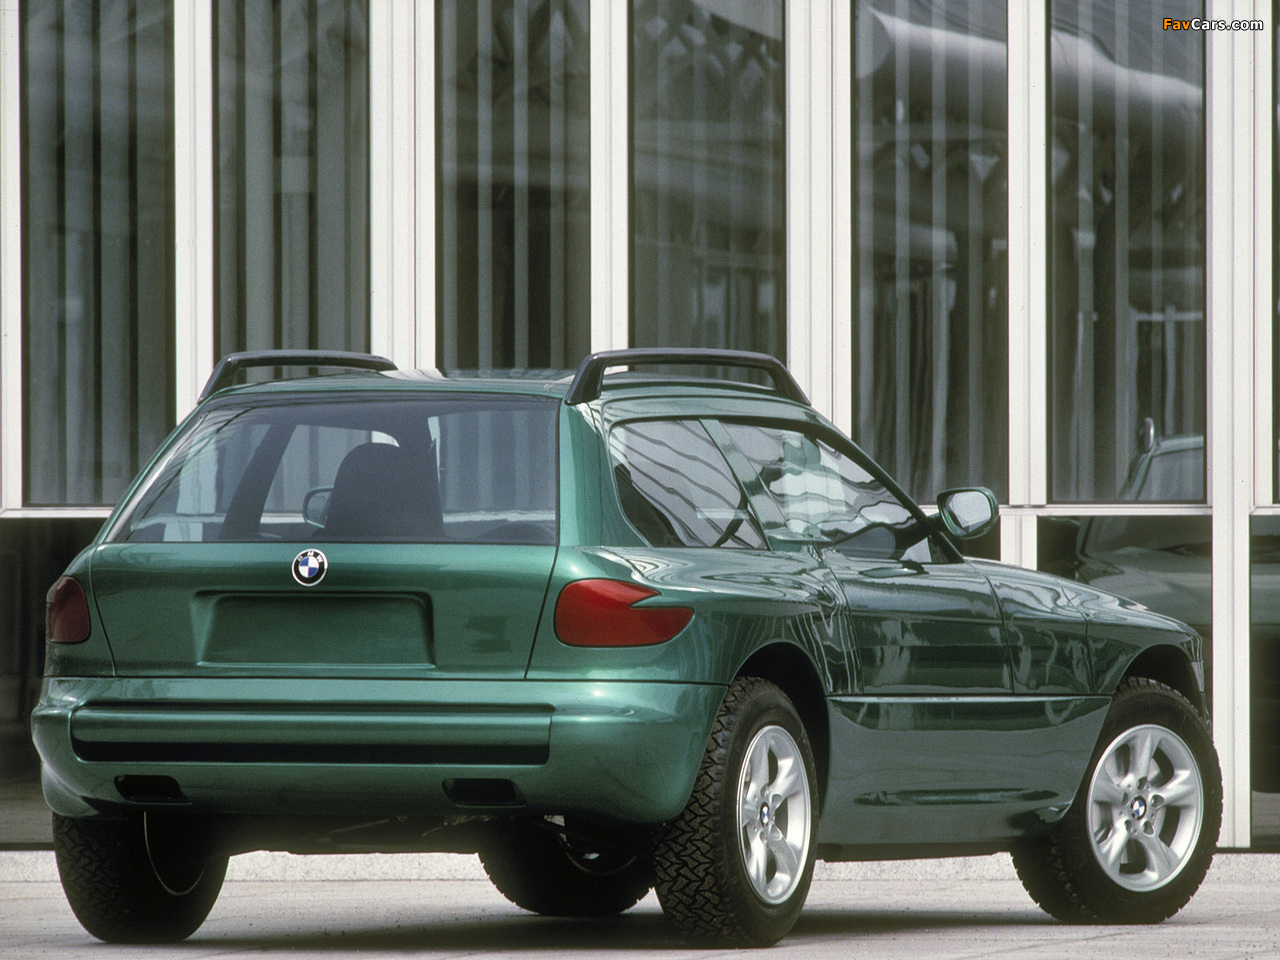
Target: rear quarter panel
<point>742,600</point>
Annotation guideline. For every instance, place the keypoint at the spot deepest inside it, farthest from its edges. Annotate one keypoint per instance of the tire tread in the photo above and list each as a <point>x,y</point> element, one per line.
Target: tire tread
<point>698,892</point>
<point>1049,867</point>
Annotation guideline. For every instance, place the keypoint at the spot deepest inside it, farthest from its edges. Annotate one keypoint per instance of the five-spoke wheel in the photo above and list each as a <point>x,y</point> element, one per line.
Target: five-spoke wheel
<point>774,814</point>
<point>734,867</point>
<point>1139,837</point>
<point>1146,807</point>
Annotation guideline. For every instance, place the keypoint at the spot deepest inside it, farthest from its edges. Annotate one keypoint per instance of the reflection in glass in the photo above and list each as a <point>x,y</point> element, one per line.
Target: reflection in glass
<point>708,240</point>
<point>33,553</point>
<point>1264,677</point>
<point>513,242</point>
<point>1161,562</point>
<point>676,488</point>
<point>827,498</point>
<point>393,471</point>
<point>97,220</point>
<point>292,142</point>
<point>930,393</point>
<point>1127,270</point>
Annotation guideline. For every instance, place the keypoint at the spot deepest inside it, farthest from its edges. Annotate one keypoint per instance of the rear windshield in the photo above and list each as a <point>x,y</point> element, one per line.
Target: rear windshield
<point>473,469</point>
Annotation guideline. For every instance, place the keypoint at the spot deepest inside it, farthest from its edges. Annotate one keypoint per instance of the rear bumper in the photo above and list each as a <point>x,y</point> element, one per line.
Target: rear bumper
<point>621,751</point>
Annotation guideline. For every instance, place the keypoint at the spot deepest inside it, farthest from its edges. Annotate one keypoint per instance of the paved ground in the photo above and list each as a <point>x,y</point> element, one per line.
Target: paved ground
<point>440,906</point>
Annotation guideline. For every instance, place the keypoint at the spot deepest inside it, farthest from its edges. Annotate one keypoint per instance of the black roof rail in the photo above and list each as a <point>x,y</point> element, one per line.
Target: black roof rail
<point>232,363</point>
<point>589,379</point>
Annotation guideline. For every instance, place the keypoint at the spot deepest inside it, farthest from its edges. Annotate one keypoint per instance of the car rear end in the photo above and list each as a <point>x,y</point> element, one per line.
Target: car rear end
<point>321,601</point>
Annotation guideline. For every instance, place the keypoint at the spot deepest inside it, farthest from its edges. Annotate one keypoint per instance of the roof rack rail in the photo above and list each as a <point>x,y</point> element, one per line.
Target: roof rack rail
<point>589,379</point>
<point>232,363</point>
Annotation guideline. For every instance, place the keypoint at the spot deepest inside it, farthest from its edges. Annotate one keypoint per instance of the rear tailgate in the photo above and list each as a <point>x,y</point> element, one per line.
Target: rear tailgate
<point>352,533</point>
<point>235,609</point>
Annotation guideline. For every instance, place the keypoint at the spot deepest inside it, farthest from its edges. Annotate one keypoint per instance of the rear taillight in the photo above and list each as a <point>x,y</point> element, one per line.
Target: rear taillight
<point>602,613</point>
<point>66,613</point>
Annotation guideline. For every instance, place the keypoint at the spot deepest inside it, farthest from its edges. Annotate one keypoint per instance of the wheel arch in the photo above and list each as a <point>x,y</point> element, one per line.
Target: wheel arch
<point>792,671</point>
<point>1168,664</point>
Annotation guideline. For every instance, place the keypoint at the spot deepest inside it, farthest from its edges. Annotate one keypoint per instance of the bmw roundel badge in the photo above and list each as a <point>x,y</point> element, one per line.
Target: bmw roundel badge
<point>309,567</point>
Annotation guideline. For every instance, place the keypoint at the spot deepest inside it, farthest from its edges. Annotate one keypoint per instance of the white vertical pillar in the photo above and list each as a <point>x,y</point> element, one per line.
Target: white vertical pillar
<point>424,273</point>
<point>1028,113</point>
<point>809,27</point>
<point>842,225</point>
<point>1233,308</point>
<point>1264,243</point>
<point>193,178</point>
<point>393,180</point>
<point>10,260</point>
<point>610,174</point>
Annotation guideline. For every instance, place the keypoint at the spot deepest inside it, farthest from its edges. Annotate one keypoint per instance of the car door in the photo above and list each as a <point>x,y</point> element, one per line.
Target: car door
<point>928,740</point>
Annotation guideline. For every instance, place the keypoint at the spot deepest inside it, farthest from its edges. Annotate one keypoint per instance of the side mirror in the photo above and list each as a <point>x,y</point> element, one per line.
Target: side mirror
<point>967,512</point>
<point>315,506</point>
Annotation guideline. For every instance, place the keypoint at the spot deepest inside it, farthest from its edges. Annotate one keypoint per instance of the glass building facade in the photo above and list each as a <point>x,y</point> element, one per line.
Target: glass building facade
<point>1026,245</point>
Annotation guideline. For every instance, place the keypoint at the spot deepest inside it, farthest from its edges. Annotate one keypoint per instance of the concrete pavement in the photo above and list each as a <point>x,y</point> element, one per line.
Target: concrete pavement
<point>441,906</point>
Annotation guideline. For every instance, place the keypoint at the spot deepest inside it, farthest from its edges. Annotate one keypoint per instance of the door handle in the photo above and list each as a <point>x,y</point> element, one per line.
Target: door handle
<point>899,568</point>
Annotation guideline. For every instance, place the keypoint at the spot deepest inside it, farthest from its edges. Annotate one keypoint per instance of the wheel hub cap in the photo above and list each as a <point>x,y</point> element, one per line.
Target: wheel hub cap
<point>774,814</point>
<point>1145,807</point>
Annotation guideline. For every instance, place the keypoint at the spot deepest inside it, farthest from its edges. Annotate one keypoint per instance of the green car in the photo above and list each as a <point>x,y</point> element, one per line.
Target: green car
<point>610,632</point>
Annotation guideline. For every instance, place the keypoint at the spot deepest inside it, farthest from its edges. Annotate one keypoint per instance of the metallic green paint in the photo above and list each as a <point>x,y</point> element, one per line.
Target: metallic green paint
<point>961,699</point>
<point>929,770</point>
<point>626,752</point>
<point>931,628</point>
<point>404,609</point>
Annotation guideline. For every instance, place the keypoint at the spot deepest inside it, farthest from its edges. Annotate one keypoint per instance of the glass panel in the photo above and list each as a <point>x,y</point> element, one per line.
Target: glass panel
<point>676,488</point>
<point>1161,562</point>
<point>1264,678</point>
<point>292,140</point>
<point>930,242</point>
<point>97,270</point>
<point>386,470</point>
<point>708,188</point>
<point>33,553</point>
<point>1127,269</point>
<point>826,497</point>
<point>514,240</point>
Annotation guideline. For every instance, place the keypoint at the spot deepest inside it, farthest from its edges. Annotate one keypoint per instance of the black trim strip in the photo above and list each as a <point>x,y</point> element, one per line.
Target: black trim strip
<point>325,753</point>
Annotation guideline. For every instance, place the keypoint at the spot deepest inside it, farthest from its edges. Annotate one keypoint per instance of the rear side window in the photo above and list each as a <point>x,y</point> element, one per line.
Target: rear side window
<point>676,488</point>
<point>476,469</point>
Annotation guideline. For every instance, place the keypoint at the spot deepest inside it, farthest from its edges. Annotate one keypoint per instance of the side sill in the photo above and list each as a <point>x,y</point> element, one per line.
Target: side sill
<point>869,852</point>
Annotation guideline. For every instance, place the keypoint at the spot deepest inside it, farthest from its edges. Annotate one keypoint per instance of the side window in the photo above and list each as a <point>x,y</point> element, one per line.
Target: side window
<point>676,488</point>
<point>825,496</point>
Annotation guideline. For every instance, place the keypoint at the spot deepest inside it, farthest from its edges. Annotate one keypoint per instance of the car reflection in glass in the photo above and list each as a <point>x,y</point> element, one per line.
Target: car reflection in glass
<point>1165,563</point>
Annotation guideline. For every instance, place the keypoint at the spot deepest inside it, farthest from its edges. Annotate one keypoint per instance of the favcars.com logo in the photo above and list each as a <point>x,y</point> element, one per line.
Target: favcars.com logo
<point>1198,24</point>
